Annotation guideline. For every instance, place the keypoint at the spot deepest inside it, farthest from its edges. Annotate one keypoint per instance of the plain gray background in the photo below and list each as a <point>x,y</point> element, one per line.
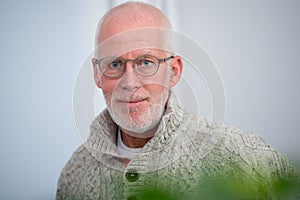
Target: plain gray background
<point>255,44</point>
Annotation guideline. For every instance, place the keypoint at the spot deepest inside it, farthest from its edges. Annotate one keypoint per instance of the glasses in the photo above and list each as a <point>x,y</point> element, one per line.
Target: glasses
<point>144,65</point>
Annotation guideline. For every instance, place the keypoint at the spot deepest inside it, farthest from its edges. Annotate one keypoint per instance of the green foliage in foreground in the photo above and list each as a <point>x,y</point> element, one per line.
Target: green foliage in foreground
<point>221,189</point>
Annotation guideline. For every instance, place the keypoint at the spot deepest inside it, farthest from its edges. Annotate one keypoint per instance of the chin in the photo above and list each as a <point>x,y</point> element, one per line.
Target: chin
<point>137,122</point>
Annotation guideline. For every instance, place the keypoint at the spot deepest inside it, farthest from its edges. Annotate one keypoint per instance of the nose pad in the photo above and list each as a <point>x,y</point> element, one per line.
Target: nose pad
<point>130,81</point>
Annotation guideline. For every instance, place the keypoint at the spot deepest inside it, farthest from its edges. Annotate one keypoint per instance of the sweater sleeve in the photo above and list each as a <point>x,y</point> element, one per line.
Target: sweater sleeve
<point>72,174</point>
<point>276,173</point>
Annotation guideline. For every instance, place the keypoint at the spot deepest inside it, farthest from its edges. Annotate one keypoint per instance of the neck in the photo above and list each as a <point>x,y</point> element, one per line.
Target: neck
<point>135,142</point>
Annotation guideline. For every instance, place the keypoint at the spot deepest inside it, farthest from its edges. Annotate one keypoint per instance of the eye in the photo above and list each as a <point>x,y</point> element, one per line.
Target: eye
<point>146,62</point>
<point>115,64</point>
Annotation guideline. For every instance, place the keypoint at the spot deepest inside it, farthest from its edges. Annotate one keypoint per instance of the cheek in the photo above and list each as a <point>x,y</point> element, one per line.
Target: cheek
<point>160,81</point>
<point>156,90</point>
<point>108,87</point>
<point>159,84</point>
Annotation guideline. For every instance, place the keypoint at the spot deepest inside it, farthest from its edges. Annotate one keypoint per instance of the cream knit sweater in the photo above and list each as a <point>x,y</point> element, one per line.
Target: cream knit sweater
<point>186,153</point>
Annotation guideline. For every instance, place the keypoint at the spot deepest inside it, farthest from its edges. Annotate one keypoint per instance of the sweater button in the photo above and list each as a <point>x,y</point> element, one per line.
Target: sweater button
<point>132,176</point>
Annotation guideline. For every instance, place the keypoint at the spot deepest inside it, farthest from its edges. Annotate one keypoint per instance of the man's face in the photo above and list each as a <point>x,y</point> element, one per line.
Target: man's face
<point>137,103</point>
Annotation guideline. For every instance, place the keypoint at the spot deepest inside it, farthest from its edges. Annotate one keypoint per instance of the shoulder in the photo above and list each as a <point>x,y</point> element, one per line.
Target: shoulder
<point>73,172</point>
<point>253,150</point>
<point>248,150</point>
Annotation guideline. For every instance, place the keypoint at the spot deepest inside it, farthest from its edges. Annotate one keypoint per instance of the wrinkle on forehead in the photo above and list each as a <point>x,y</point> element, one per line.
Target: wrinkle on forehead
<point>137,53</point>
<point>146,38</point>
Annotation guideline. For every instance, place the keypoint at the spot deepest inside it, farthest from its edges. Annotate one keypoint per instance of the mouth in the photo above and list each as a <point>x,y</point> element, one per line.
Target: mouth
<point>134,101</point>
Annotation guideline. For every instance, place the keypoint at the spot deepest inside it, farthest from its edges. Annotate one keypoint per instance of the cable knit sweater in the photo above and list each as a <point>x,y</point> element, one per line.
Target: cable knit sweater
<point>186,153</point>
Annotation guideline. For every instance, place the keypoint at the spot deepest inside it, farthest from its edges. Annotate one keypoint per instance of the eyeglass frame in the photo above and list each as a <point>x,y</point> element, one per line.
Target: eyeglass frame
<point>124,61</point>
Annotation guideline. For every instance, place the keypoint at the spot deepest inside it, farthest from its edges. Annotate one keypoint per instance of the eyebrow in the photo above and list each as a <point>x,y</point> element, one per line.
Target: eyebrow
<point>143,52</point>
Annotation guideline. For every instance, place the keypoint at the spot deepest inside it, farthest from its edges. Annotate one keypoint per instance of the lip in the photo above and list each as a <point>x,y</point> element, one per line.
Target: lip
<point>134,102</point>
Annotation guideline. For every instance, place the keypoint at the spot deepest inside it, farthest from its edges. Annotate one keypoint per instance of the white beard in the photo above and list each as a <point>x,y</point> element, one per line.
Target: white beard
<point>145,120</point>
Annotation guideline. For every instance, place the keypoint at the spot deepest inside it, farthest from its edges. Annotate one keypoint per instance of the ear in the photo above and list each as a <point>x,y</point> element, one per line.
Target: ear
<point>176,70</point>
<point>96,73</point>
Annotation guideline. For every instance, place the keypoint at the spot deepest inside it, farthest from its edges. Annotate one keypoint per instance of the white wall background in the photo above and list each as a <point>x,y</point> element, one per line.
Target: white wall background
<point>254,43</point>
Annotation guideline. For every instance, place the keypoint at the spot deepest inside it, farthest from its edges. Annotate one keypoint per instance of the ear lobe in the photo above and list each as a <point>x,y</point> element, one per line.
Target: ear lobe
<point>176,70</point>
<point>96,73</point>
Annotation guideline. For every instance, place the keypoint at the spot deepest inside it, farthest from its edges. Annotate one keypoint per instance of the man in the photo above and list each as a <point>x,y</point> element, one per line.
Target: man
<point>144,140</point>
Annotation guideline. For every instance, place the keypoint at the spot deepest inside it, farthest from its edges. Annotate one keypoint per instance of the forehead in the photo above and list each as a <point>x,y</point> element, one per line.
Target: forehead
<point>146,51</point>
<point>137,41</point>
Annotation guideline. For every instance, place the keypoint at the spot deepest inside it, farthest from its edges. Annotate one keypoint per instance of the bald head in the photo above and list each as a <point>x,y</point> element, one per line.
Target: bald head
<point>129,16</point>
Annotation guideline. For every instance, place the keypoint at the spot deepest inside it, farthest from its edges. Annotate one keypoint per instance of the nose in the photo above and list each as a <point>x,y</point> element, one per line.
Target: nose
<point>130,81</point>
